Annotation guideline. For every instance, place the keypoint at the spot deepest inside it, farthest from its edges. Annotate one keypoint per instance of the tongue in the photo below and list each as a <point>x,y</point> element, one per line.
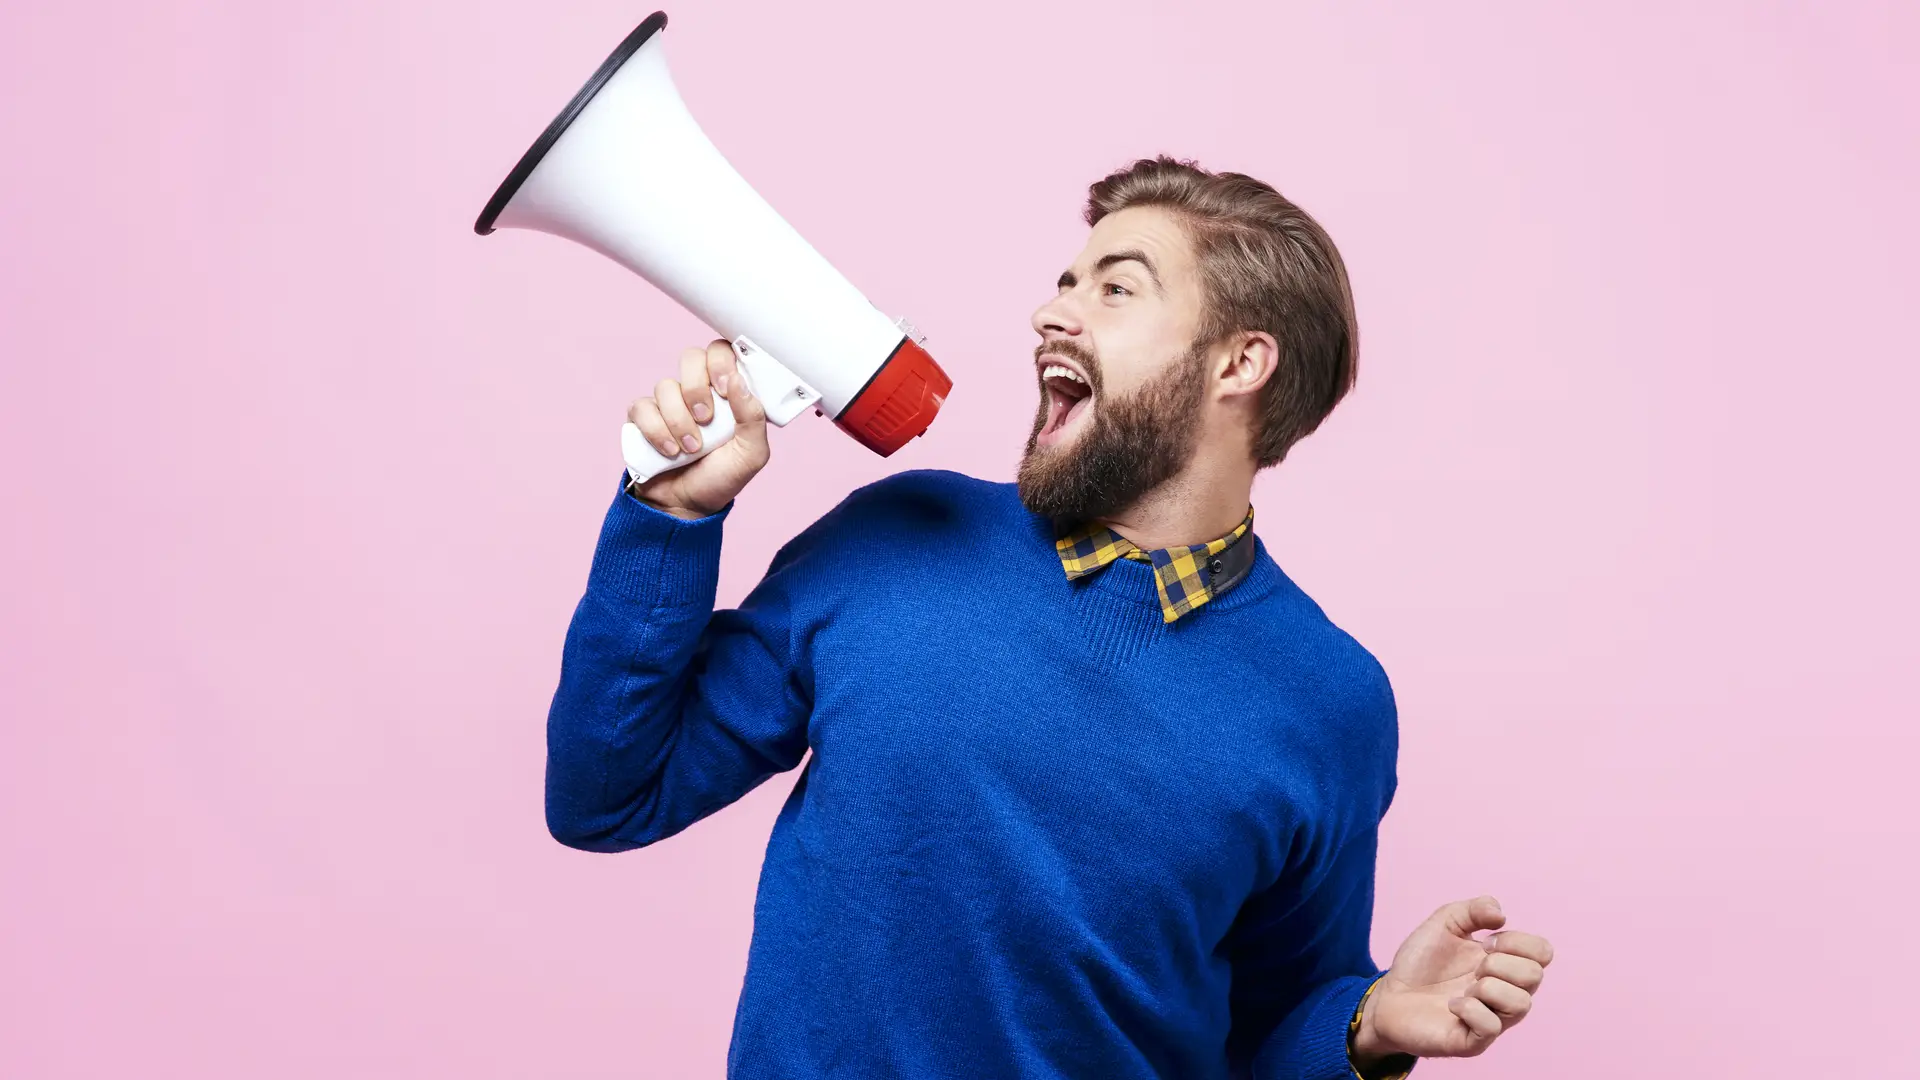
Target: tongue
<point>1064,408</point>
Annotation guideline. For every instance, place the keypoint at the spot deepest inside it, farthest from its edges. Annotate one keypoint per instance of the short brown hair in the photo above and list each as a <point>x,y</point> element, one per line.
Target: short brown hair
<point>1266,265</point>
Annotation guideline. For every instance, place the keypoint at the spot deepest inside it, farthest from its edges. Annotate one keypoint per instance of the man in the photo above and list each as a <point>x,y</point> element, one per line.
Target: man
<point>1095,788</point>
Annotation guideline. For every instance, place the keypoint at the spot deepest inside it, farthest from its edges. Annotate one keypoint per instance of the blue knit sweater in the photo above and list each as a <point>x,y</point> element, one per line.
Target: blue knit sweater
<point>1042,833</point>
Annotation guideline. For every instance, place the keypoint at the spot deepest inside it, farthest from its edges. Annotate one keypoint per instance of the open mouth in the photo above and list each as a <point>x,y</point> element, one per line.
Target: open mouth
<point>1069,397</point>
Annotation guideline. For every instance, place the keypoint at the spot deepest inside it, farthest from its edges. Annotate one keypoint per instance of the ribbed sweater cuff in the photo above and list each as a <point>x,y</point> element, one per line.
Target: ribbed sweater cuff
<point>649,557</point>
<point>1317,1049</point>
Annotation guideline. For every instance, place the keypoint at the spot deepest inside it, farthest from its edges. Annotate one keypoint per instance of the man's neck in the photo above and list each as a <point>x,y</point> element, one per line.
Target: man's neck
<point>1195,507</point>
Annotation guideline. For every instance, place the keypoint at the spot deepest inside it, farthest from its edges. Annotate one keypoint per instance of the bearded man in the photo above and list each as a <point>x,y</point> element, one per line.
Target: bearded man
<point>1095,788</point>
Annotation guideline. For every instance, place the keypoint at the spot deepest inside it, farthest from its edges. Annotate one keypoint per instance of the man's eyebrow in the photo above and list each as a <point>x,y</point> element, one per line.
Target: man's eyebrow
<point>1068,281</point>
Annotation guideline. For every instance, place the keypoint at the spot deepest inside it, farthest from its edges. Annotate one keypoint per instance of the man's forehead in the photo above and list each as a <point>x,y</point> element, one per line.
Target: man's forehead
<point>1147,229</point>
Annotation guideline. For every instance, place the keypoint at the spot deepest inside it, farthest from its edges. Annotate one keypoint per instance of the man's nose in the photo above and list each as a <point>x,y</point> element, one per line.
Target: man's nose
<point>1057,316</point>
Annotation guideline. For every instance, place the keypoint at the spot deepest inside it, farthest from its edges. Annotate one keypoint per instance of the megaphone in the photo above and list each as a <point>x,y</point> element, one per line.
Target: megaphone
<point>626,171</point>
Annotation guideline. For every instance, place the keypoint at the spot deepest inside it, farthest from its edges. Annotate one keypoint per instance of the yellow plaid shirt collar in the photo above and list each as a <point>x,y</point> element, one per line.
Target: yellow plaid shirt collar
<point>1183,576</point>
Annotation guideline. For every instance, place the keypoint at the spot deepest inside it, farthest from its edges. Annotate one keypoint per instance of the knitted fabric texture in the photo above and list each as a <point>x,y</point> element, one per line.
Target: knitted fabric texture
<point>1029,841</point>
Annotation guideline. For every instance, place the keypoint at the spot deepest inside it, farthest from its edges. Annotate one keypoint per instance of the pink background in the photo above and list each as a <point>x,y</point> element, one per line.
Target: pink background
<point>304,478</point>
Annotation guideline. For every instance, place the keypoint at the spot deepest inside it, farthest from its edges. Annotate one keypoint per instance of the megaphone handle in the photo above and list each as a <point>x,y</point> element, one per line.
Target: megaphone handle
<point>781,393</point>
<point>645,461</point>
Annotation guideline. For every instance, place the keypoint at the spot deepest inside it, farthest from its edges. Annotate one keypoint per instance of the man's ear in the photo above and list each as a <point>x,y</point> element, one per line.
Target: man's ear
<point>1247,362</point>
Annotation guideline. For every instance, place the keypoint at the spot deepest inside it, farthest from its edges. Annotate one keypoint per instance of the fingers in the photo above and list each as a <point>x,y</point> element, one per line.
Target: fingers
<point>748,412</point>
<point>673,410</point>
<point>721,366</point>
<point>1532,946</point>
<point>1481,1023</point>
<point>645,415</point>
<point>1508,1002</point>
<point>1518,970</point>
<point>693,384</point>
<point>1464,917</point>
<point>666,421</point>
<point>670,420</point>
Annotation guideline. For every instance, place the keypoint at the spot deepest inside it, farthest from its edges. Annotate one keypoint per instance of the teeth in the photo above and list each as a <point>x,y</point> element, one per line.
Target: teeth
<point>1056,369</point>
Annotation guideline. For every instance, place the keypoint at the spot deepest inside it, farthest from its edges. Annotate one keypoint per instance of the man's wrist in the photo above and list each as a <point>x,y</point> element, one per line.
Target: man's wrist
<point>684,513</point>
<point>681,512</point>
<point>1365,1046</point>
<point>1371,1055</point>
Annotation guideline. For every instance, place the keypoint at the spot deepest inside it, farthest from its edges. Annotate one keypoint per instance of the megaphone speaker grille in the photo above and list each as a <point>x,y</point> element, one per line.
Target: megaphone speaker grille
<point>530,160</point>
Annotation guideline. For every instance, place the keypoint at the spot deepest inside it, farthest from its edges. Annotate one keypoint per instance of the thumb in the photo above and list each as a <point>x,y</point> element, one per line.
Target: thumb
<point>749,413</point>
<point>1463,918</point>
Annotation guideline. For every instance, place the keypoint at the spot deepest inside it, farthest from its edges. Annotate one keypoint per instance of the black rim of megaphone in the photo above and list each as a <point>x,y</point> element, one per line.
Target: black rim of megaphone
<point>531,159</point>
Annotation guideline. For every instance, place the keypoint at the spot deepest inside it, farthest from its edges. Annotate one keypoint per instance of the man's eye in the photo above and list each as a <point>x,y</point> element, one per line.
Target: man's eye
<point>1122,288</point>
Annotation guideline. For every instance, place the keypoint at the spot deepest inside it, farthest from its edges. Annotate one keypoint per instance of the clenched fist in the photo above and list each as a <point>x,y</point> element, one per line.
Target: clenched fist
<point>1448,993</point>
<point>671,420</point>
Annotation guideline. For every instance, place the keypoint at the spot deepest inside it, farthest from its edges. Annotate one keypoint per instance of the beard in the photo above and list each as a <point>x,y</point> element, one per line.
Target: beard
<point>1132,445</point>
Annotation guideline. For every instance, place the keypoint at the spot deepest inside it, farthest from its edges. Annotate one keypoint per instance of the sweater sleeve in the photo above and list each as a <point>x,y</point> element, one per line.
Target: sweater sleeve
<point>667,710</point>
<point>1301,965</point>
<point>1301,958</point>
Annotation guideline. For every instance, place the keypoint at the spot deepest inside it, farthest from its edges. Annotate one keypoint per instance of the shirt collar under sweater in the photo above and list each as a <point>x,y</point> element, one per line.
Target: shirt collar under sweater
<point>1185,577</point>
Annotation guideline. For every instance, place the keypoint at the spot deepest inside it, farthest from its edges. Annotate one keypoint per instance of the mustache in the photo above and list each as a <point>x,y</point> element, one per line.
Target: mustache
<point>1074,351</point>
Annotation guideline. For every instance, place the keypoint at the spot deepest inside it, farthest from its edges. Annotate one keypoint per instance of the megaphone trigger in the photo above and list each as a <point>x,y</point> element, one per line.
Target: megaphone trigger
<point>784,394</point>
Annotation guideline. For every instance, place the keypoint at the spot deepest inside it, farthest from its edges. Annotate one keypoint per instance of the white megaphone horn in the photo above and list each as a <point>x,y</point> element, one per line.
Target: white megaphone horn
<point>625,170</point>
